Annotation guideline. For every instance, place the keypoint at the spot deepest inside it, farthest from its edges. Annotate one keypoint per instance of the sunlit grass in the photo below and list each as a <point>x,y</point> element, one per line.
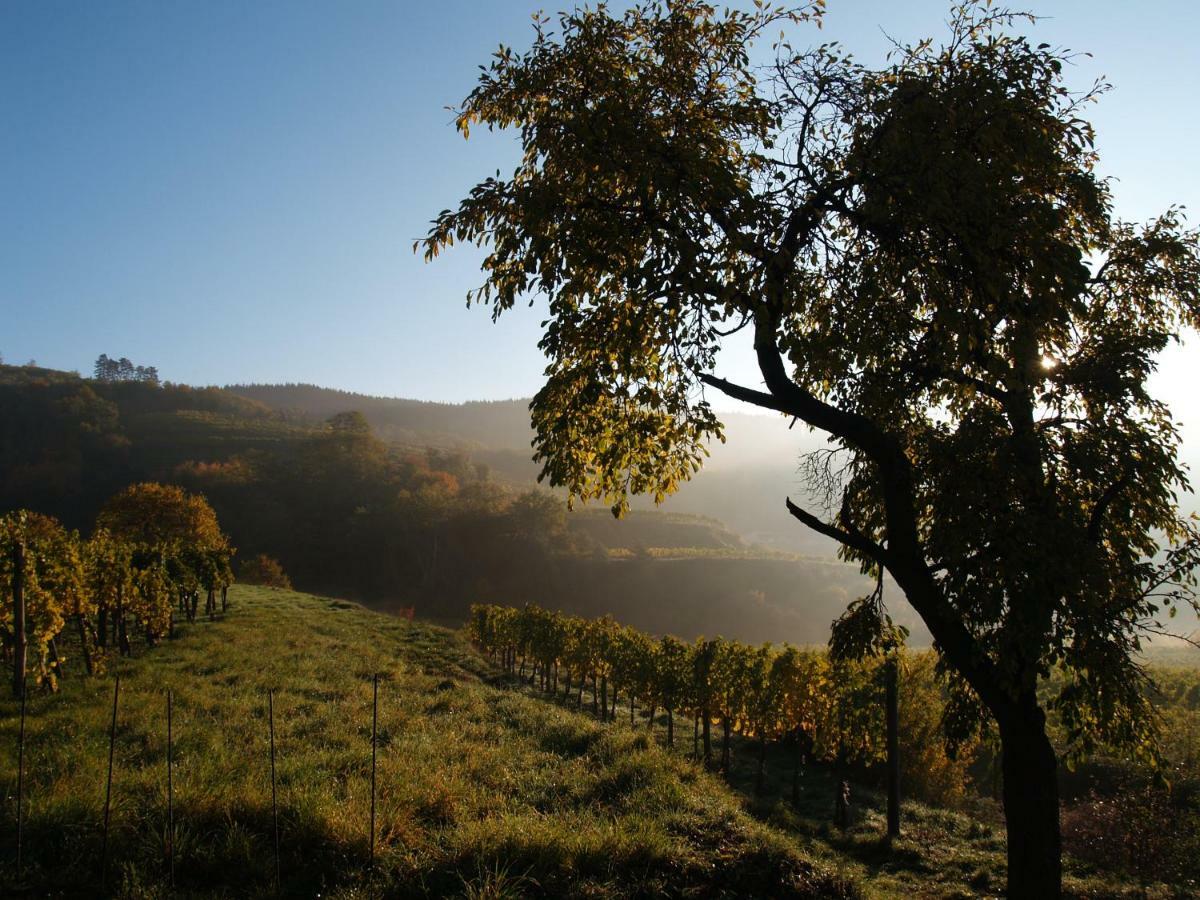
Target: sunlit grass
<point>483,791</point>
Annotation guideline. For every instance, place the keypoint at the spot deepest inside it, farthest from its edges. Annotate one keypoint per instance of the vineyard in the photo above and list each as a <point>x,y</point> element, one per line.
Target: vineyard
<point>153,551</point>
<point>826,708</point>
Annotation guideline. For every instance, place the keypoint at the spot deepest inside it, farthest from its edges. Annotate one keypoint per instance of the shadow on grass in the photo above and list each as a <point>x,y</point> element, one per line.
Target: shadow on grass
<point>219,850</point>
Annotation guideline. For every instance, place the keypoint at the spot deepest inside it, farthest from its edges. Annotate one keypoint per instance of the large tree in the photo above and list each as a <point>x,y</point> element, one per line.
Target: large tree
<point>933,277</point>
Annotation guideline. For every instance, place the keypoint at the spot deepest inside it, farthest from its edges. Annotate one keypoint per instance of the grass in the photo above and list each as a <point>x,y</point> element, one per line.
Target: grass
<point>484,791</point>
<point>487,789</point>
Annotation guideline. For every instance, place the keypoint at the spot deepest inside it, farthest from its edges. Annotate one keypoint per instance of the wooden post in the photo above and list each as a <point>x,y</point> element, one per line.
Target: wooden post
<point>20,780</point>
<point>170,798</point>
<point>374,732</point>
<point>112,740</point>
<point>21,638</point>
<point>274,803</point>
<point>891,689</point>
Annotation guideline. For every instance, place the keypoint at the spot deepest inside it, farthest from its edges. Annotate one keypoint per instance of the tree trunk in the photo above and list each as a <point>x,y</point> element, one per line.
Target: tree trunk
<point>56,665</point>
<point>696,737</point>
<point>797,766</point>
<point>83,645</point>
<point>725,729</point>
<point>670,728</point>
<point>650,718</point>
<point>595,696</point>
<point>102,627</point>
<point>224,599</point>
<point>123,636</point>
<point>604,695</point>
<point>21,639</point>
<point>841,802</point>
<point>760,779</point>
<point>631,709</point>
<point>1031,806</point>
<point>707,724</point>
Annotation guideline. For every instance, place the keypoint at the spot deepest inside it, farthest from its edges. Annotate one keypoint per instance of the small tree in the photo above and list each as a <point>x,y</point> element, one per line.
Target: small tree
<point>933,277</point>
<point>263,570</point>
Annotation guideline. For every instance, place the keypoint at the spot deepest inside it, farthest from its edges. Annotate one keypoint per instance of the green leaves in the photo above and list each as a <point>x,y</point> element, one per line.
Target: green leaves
<point>909,243</point>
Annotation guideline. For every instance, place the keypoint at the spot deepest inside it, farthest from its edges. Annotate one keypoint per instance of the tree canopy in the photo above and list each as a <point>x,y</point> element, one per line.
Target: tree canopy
<point>933,275</point>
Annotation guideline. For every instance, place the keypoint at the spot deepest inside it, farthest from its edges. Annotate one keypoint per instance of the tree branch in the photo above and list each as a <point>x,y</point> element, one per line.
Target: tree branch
<point>853,540</point>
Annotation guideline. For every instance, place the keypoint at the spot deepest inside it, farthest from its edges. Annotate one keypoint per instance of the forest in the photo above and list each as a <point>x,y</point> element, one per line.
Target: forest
<point>348,513</point>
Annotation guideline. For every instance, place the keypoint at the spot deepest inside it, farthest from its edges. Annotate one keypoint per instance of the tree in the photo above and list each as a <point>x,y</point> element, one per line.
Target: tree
<point>933,276</point>
<point>176,546</point>
<point>263,570</point>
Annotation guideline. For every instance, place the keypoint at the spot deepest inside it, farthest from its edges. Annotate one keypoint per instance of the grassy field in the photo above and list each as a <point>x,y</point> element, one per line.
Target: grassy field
<point>483,791</point>
<point>486,789</point>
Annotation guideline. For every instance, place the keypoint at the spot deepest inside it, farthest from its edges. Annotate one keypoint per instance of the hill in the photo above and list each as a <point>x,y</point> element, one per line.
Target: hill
<point>484,791</point>
<point>395,524</point>
<point>486,787</point>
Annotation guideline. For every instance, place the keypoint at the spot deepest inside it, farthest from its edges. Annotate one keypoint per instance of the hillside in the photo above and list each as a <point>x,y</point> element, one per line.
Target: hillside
<point>483,791</point>
<point>393,524</point>
<point>486,787</point>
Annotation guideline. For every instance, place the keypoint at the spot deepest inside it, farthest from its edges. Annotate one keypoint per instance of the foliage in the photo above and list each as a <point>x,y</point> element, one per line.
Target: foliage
<point>934,278</point>
<point>52,579</point>
<point>263,570</point>
<point>767,692</point>
<point>153,547</point>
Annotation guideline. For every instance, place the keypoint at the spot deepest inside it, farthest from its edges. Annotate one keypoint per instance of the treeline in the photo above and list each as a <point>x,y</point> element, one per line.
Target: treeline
<point>824,709</point>
<point>342,511</point>
<point>153,551</point>
<point>123,369</point>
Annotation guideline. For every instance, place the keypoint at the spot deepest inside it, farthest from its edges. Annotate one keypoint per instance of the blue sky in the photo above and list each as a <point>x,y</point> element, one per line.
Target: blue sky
<point>230,190</point>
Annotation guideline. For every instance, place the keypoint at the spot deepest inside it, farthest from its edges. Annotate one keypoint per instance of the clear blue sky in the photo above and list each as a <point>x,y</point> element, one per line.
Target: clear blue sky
<point>230,190</point>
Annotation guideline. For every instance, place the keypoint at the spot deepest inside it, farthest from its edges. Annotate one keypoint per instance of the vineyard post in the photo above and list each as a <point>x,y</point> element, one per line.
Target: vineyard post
<point>890,676</point>
<point>170,799</point>
<point>112,741</point>
<point>274,803</point>
<point>374,732</point>
<point>20,778</point>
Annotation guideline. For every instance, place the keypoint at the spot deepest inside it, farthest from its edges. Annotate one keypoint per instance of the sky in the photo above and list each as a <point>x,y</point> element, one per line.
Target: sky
<point>230,190</point>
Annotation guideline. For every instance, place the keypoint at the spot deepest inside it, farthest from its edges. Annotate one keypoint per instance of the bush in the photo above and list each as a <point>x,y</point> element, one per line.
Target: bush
<point>1141,829</point>
<point>263,570</point>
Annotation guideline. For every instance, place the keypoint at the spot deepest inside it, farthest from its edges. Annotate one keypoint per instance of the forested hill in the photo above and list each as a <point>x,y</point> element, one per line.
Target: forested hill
<point>743,483</point>
<point>502,424</point>
<point>395,524</point>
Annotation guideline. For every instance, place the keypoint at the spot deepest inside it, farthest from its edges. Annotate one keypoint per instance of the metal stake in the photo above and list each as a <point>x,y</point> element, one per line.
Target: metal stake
<point>112,739</point>
<point>374,732</point>
<point>20,778</point>
<point>274,804</point>
<point>170,798</point>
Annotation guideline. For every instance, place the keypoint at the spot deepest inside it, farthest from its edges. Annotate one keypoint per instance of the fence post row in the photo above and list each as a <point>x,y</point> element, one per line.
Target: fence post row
<point>170,835</point>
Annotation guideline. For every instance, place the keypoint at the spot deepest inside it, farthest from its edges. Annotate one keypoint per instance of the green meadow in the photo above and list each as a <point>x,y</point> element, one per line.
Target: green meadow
<point>485,788</point>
